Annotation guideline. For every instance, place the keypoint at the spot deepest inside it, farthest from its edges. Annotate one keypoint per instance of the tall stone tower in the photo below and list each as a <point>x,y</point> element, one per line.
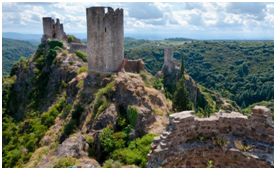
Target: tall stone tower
<point>105,40</point>
<point>168,59</point>
<point>48,25</point>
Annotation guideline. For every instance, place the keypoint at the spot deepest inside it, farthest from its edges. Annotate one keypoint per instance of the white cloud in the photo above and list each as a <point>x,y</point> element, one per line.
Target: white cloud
<point>147,16</point>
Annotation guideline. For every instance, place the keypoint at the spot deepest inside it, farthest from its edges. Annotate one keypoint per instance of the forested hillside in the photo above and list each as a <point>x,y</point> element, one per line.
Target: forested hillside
<point>242,71</point>
<point>12,50</point>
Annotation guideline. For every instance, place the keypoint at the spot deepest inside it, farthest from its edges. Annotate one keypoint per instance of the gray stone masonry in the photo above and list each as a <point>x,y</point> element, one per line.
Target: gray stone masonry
<point>105,44</point>
<point>52,30</point>
<point>168,59</point>
<point>179,146</point>
<point>77,46</point>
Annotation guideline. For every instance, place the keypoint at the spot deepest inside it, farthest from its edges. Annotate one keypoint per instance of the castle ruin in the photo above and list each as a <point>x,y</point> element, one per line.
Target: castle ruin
<point>105,41</point>
<point>191,142</point>
<point>169,61</point>
<point>52,30</point>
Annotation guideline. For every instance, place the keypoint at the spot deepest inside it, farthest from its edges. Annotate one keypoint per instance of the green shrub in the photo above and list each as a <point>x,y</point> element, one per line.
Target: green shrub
<point>81,55</point>
<point>70,38</point>
<point>14,69</point>
<point>80,84</point>
<point>70,127</point>
<point>48,118</point>
<point>64,52</point>
<point>104,91</point>
<point>112,164</point>
<point>132,114</point>
<point>64,85</point>
<point>55,43</point>
<point>64,162</point>
<point>136,151</point>
<point>82,69</point>
<point>71,62</point>
<point>76,114</point>
<point>157,83</point>
<point>111,141</point>
<point>66,111</point>
<point>22,59</point>
<point>50,57</point>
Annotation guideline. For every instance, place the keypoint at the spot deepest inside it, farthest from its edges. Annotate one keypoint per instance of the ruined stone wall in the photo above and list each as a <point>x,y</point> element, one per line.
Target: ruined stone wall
<point>52,30</point>
<point>76,46</point>
<point>134,66</point>
<point>105,44</point>
<point>180,146</point>
<point>59,30</point>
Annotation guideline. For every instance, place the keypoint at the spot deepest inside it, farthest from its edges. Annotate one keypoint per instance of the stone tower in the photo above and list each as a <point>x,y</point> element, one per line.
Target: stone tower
<point>48,24</point>
<point>168,59</point>
<point>52,30</point>
<point>105,40</point>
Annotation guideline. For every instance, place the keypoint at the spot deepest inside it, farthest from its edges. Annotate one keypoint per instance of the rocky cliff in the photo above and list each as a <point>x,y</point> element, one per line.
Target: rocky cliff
<point>224,140</point>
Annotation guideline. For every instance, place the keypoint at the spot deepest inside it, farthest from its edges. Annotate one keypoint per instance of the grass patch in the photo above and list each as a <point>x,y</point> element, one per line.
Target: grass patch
<point>157,111</point>
<point>80,84</point>
<point>82,70</point>
<point>145,78</point>
<point>64,162</point>
<point>65,52</point>
<point>98,96</point>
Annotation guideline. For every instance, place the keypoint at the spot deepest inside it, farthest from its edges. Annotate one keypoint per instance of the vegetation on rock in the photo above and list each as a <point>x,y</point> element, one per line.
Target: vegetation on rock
<point>181,101</point>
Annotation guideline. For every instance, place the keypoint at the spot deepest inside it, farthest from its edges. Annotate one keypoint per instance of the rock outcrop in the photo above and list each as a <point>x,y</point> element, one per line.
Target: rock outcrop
<point>190,141</point>
<point>150,103</point>
<point>107,117</point>
<point>75,147</point>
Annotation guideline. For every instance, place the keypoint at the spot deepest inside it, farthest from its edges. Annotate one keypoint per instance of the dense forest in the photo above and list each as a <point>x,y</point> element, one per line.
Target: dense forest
<point>12,50</point>
<point>242,71</point>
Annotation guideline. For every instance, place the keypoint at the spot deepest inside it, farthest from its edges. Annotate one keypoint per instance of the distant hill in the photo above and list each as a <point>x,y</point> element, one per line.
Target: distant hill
<point>178,39</point>
<point>19,36</point>
<point>12,50</point>
<point>239,70</point>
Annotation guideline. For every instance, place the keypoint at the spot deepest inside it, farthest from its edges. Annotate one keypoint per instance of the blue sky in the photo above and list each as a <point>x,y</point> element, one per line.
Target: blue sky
<point>200,20</point>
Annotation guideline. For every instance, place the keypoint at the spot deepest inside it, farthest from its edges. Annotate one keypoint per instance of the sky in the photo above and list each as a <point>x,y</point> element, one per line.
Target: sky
<point>152,20</point>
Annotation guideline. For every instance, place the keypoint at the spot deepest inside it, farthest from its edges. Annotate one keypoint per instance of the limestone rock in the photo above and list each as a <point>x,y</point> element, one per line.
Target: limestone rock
<point>75,146</point>
<point>108,116</point>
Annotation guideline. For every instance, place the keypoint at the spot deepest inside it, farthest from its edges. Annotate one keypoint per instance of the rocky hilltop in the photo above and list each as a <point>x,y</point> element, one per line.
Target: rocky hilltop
<point>73,107</point>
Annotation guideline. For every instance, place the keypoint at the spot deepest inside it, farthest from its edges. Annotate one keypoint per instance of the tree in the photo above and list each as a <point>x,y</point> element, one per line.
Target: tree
<point>243,105</point>
<point>182,66</point>
<point>181,99</point>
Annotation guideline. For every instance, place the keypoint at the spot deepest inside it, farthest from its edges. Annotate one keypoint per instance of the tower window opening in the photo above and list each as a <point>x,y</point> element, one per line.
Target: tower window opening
<point>105,29</point>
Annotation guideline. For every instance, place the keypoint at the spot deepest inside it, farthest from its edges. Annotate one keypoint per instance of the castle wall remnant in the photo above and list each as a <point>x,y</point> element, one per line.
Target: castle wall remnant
<point>52,30</point>
<point>190,141</point>
<point>77,46</point>
<point>134,66</point>
<point>105,42</point>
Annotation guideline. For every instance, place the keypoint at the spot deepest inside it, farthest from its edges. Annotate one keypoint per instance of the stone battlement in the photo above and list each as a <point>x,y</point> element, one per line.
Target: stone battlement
<point>184,127</point>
